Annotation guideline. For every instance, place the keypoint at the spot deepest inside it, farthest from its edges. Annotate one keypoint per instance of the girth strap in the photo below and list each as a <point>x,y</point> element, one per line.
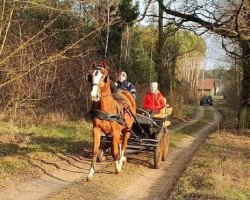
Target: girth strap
<point>113,117</point>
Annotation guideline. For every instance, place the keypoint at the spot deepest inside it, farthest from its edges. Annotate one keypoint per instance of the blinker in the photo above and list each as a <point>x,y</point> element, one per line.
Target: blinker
<point>89,78</point>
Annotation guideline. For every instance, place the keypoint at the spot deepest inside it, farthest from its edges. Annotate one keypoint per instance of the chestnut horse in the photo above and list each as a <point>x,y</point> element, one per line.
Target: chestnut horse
<point>119,125</point>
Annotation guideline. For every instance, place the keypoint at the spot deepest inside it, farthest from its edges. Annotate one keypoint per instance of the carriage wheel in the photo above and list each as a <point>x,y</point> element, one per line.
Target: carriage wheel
<point>166,140</point>
<point>158,151</point>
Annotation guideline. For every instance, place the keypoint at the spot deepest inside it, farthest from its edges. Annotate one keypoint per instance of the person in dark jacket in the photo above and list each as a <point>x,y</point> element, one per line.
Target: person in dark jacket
<point>124,84</point>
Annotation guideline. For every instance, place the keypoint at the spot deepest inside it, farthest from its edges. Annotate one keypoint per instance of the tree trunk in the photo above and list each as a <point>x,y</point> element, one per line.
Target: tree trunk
<point>244,112</point>
<point>159,60</point>
<point>164,84</point>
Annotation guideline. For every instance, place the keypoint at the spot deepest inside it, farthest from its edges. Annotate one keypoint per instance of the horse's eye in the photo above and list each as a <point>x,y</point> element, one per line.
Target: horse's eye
<point>96,72</point>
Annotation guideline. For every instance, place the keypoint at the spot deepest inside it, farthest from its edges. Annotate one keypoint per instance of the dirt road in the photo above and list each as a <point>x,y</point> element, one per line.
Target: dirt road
<point>137,181</point>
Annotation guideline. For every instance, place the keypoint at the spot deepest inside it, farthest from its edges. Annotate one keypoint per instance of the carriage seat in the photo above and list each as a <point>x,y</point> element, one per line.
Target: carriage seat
<point>162,116</point>
<point>164,112</point>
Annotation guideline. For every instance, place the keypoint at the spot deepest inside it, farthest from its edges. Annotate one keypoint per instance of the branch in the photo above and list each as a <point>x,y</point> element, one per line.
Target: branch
<point>29,40</point>
<point>230,52</point>
<point>215,27</point>
<point>2,17</point>
<point>145,12</point>
<point>56,56</point>
<point>43,6</point>
<point>7,30</point>
<point>183,53</point>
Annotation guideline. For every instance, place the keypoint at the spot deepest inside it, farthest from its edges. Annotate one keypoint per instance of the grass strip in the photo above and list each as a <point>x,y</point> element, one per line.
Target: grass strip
<point>177,136</point>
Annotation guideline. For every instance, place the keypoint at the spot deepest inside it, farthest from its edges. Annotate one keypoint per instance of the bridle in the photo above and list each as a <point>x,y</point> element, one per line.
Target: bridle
<point>95,80</point>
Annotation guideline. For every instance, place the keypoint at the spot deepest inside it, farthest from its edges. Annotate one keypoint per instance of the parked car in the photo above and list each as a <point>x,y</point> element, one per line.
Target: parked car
<point>206,100</point>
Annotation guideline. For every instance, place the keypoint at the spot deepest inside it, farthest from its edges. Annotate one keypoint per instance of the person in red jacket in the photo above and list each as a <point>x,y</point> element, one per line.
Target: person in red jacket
<point>154,100</point>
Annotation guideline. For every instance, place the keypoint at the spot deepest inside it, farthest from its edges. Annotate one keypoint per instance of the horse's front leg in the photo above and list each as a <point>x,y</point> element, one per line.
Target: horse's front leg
<point>126,135</point>
<point>115,151</point>
<point>95,149</point>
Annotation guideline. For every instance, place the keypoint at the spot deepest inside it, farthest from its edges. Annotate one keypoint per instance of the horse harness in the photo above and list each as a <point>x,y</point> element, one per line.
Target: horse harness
<point>113,117</point>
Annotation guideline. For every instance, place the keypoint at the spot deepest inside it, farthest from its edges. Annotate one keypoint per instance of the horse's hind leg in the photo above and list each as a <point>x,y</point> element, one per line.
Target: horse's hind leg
<point>95,149</point>
<point>126,136</point>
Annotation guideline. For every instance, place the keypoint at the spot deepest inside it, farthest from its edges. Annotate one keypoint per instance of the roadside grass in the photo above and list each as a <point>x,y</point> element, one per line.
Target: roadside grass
<point>177,136</point>
<point>190,112</point>
<point>27,150</point>
<point>220,169</point>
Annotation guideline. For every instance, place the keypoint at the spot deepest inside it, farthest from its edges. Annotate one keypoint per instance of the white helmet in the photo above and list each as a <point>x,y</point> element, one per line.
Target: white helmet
<point>154,87</point>
<point>122,76</point>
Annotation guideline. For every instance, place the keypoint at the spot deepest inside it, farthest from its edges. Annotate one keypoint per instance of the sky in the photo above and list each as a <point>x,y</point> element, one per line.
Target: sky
<point>215,55</point>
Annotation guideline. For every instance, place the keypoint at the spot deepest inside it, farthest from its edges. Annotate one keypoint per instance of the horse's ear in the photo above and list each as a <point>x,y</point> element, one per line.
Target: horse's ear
<point>94,64</point>
<point>104,64</point>
<point>105,79</point>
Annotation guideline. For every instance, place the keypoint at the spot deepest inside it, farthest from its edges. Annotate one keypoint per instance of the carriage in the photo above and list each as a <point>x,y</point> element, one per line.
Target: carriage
<point>114,113</point>
<point>148,133</point>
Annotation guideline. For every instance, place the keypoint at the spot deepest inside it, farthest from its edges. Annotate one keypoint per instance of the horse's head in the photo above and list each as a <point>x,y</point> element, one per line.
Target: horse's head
<point>99,79</point>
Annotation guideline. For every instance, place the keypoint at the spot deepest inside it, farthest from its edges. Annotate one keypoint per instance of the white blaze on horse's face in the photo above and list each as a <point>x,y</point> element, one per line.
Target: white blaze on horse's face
<point>96,93</point>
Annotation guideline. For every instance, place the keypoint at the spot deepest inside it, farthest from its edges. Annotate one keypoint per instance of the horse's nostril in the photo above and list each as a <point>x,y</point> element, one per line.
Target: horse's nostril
<point>95,97</point>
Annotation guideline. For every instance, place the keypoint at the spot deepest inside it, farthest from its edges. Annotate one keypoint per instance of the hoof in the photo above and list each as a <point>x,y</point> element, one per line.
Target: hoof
<point>118,171</point>
<point>124,160</point>
<point>89,178</point>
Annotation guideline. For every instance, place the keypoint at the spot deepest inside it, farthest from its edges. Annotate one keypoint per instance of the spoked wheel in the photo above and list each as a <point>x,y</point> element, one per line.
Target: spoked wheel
<point>158,151</point>
<point>165,141</point>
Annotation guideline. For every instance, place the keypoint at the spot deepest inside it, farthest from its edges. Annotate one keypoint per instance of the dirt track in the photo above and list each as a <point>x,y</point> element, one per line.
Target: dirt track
<point>137,181</point>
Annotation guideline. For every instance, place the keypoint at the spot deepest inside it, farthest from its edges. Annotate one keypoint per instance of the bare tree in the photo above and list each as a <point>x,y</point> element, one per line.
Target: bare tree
<point>226,18</point>
<point>45,49</point>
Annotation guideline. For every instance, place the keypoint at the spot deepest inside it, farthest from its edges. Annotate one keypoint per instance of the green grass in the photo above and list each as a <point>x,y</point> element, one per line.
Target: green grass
<point>24,148</point>
<point>10,165</point>
<point>44,138</point>
<point>184,132</point>
<point>191,111</point>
